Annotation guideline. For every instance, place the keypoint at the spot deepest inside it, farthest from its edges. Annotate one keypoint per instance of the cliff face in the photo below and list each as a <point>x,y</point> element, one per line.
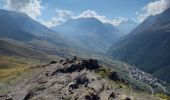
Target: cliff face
<point>73,80</point>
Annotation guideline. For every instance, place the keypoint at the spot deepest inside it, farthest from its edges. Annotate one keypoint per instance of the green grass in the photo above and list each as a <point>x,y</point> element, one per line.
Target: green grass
<point>163,96</point>
<point>103,72</point>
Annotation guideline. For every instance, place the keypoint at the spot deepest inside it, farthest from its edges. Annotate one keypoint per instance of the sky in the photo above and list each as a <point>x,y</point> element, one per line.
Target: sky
<point>56,12</point>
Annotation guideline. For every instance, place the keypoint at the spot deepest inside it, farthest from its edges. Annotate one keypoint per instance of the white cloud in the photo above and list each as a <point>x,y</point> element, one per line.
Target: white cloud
<point>153,8</point>
<point>64,15</point>
<point>31,7</point>
<point>61,17</point>
<point>104,19</point>
<point>118,21</point>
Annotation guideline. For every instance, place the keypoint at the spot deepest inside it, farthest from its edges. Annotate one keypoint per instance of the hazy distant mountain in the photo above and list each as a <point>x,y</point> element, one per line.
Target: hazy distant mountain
<point>89,32</point>
<point>37,40</point>
<point>127,26</point>
<point>19,26</point>
<point>148,45</point>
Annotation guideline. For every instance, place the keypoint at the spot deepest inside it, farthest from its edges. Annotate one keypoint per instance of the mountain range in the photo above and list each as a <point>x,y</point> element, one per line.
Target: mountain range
<point>147,46</point>
<point>89,32</point>
<point>25,42</point>
<point>18,28</point>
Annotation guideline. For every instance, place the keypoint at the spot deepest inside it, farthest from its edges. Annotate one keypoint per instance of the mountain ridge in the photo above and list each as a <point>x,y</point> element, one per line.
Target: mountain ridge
<point>147,46</point>
<point>19,26</point>
<point>76,78</point>
<point>89,32</point>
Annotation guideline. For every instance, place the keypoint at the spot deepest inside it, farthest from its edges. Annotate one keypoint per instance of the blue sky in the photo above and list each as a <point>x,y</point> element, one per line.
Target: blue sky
<point>55,12</point>
<point>109,8</point>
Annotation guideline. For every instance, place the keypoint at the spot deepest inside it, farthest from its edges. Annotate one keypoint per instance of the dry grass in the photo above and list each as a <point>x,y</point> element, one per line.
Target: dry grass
<point>163,96</point>
<point>12,67</point>
<point>12,71</point>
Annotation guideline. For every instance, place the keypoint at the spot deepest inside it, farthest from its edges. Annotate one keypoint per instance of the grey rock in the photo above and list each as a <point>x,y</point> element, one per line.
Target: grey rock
<point>66,80</point>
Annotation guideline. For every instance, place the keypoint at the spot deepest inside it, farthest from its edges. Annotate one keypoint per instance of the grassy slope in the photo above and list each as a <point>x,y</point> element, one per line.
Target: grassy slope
<point>9,48</point>
<point>16,58</point>
<point>11,66</point>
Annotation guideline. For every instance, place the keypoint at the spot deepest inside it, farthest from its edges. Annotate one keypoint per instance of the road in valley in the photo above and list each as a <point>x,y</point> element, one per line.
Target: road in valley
<point>130,74</point>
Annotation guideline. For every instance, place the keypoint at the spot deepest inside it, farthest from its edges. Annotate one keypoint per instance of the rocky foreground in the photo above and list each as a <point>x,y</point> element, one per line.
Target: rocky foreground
<point>73,80</point>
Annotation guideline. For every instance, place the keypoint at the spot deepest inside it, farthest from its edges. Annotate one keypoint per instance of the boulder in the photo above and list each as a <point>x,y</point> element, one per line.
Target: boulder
<point>72,86</point>
<point>127,98</point>
<point>96,86</point>
<point>91,64</point>
<point>53,62</point>
<point>107,95</point>
<point>115,77</point>
<point>92,96</point>
<point>71,68</point>
<point>82,79</point>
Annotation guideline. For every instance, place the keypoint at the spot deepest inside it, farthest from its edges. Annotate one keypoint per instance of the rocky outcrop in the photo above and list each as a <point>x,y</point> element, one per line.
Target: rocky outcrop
<point>115,77</point>
<point>67,80</point>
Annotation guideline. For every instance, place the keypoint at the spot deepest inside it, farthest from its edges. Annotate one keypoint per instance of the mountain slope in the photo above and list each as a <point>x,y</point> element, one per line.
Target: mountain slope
<point>22,37</point>
<point>148,45</point>
<point>19,26</point>
<point>163,73</point>
<point>89,32</point>
<point>127,26</point>
<point>13,48</point>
